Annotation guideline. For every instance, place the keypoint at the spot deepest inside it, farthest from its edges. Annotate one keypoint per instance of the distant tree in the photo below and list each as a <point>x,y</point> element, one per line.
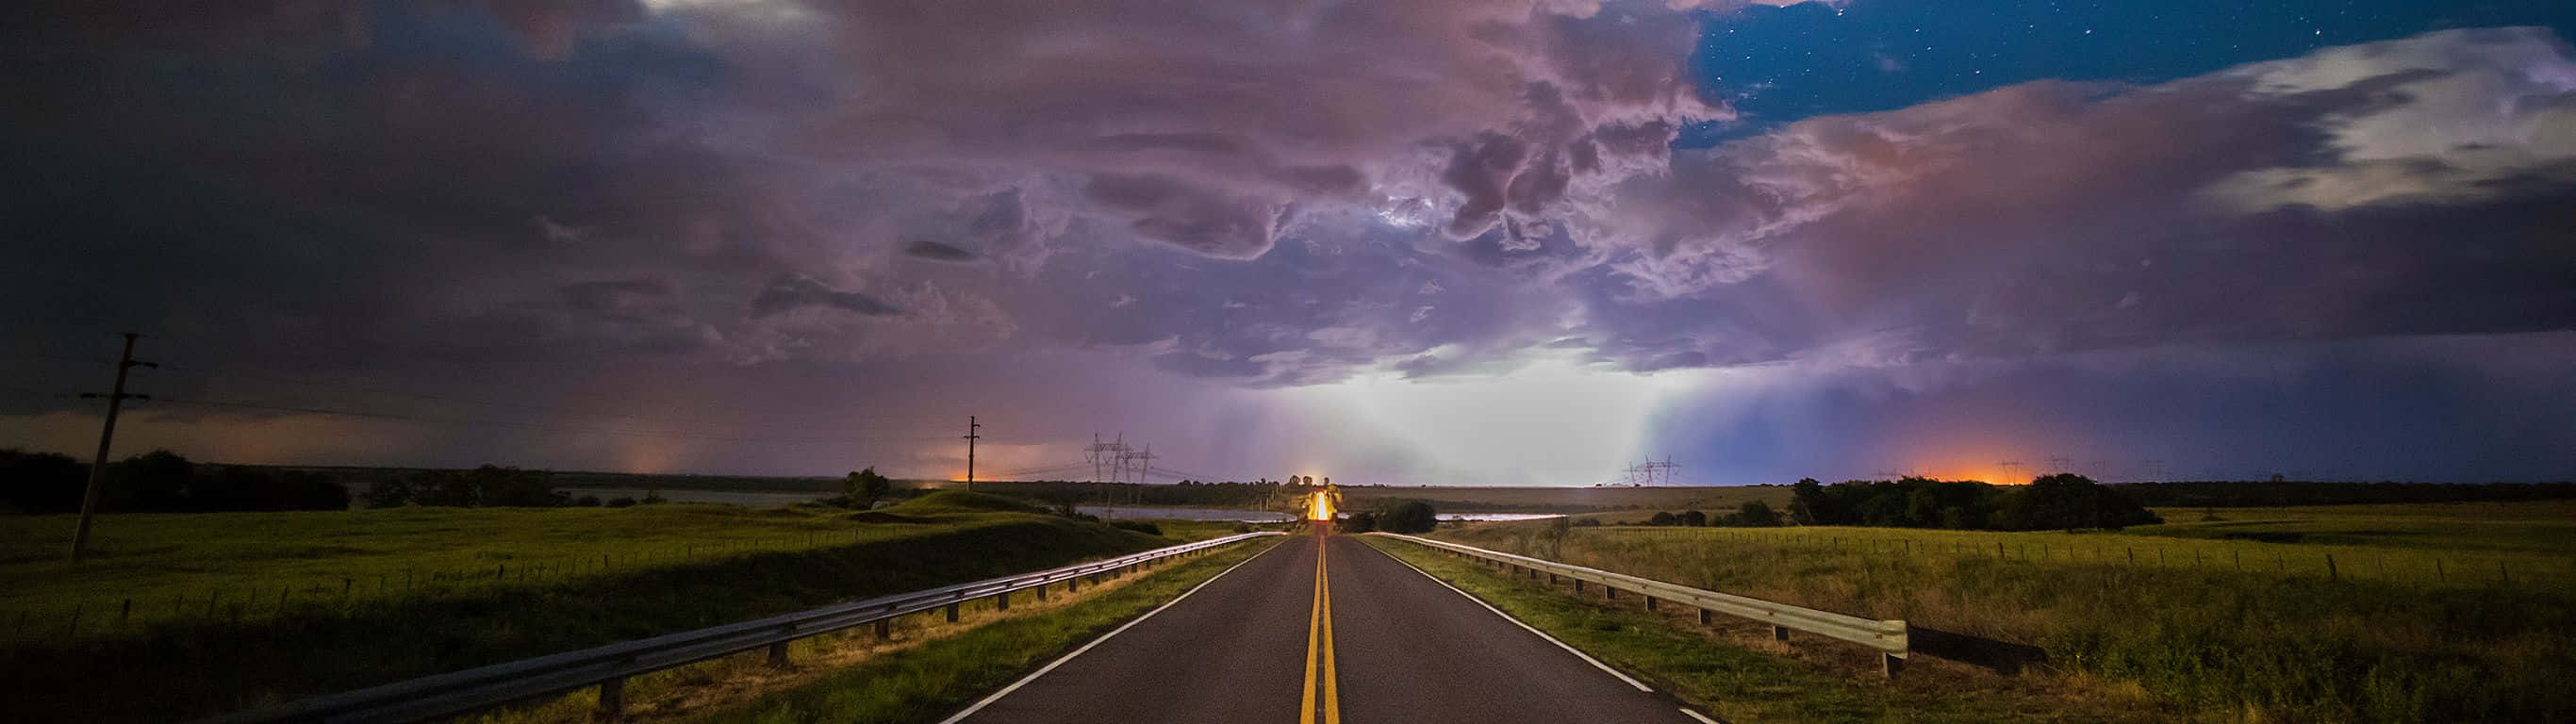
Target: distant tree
<point>1358,522</point>
<point>150,482</point>
<point>865,488</point>
<point>1691,518</point>
<point>654,497</point>
<point>1661,518</point>
<point>621,502</point>
<point>446,488</point>
<point>1810,505</point>
<point>500,487</point>
<point>1756,513</point>
<point>388,493</point>
<point>38,482</point>
<point>1409,516</point>
<point>586,501</point>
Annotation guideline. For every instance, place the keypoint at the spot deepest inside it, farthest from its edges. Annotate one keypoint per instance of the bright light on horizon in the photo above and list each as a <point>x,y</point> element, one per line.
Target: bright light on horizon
<point>1552,422</point>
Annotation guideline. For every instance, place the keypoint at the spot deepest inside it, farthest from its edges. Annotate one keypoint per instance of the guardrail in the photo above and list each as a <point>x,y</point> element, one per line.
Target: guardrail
<point>451,694</point>
<point>1888,637</point>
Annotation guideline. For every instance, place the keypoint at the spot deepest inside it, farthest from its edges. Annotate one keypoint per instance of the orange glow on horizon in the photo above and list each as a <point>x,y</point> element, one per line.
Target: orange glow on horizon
<point>1320,505</point>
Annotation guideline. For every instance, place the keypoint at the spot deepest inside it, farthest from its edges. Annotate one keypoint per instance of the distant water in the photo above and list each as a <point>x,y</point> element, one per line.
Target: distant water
<point>1499,516</point>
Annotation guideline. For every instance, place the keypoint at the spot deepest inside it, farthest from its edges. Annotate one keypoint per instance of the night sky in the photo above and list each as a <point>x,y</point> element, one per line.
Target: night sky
<point>1427,242</point>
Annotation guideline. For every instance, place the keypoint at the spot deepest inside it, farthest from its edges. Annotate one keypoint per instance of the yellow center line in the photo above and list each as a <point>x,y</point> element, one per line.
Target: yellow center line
<point>1319,645</point>
<point>1332,678</point>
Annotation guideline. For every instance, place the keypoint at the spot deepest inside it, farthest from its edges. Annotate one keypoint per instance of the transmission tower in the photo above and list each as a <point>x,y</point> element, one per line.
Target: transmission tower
<point>1108,462</point>
<point>1652,472</point>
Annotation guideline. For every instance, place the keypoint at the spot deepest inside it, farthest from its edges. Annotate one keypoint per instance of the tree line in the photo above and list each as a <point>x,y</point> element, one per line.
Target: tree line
<point>2063,501</point>
<point>160,482</point>
<point>1399,516</point>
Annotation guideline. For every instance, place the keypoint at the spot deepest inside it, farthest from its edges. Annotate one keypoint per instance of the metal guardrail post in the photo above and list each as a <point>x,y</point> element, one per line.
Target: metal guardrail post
<point>612,700</point>
<point>1041,589</point>
<point>1888,637</point>
<point>778,655</point>
<point>1002,601</point>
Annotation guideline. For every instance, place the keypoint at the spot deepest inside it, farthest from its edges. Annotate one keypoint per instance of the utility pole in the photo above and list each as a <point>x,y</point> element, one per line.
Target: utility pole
<point>971,426</point>
<point>107,433</point>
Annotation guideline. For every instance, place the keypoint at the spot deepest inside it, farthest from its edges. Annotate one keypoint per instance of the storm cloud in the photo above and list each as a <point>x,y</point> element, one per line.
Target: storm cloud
<point>1240,196</point>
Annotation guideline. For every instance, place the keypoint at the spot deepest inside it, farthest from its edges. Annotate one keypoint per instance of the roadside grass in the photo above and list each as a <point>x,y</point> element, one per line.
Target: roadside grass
<point>930,680</point>
<point>195,666</point>
<point>2464,616</point>
<point>1734,671</point>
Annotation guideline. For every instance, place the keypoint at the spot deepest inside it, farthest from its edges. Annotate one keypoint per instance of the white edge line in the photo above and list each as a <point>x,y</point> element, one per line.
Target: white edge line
<point>1702,718</point>
<point>1578,653</point>
<point>1042,671</point>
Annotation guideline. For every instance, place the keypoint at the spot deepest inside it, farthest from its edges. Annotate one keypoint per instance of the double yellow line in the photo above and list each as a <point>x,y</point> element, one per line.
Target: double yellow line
<point>1319,650</point>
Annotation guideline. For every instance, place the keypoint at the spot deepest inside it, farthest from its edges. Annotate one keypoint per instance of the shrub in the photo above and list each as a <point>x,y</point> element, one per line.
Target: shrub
<point>865,487</point>
<point>586,501</point>
<point>1358,522</point>
<point>621,502</point>
<point>1756,513</point>
<point>1409,516</point>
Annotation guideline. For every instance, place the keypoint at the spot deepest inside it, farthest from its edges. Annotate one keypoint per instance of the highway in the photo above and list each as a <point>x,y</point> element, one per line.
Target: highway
<point>1324,630</point>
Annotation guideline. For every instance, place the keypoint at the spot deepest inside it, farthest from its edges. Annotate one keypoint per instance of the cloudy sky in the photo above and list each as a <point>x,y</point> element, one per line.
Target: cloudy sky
<point>1433,241</point>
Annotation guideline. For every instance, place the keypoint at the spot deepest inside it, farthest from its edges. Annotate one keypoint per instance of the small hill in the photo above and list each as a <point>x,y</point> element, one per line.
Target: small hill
<point>959,501</point>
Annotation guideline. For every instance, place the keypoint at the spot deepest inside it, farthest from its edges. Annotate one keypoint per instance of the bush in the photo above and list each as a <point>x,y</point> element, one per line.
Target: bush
<point>1409,516</point>
<point>865,487</point>
<point>1756,513</point>
<point>1358,522</point>
<point>654,497</point>
<point>621,502</point>
<point>586,501</point>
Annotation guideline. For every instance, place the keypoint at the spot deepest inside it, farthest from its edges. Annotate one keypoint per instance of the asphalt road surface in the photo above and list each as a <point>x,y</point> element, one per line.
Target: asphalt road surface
<point>1325,630</point>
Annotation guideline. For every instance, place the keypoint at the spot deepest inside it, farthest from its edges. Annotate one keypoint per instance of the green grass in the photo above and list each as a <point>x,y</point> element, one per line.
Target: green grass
<point>935,679</point>
<point>671,568</point>
<point>215,565</point>
<point>1740,683</point>
<point>2417,621</point>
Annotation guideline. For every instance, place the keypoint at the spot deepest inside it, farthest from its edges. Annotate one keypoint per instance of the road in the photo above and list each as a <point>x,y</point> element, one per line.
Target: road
<point>1325,630</point>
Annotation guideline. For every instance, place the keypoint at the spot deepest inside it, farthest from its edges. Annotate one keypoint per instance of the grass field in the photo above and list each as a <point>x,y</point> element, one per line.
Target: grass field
<point>669,568</point>
<point>2440,612</point>
<point>188,566</point>
<point>1737,673</point>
